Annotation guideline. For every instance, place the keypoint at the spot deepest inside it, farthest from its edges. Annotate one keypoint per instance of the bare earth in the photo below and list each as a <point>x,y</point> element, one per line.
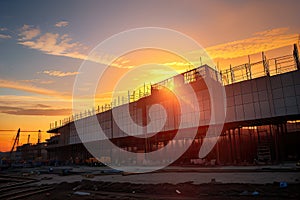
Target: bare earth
<point>173,183</point>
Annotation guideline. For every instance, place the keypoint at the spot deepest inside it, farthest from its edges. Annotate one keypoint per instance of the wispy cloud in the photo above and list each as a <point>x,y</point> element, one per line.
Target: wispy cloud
<point>28,32</point>
<point>59,73</point>
<point>55,44</point>
<point>180,66</point>
<point>261,41</point>
<point>30,88</point>
<point>64,45</point>
<point>62,24</point>
<point>32,101</point>
<point>34,105</point>
<point>3,29</point>
<point>39,81</point>
<point>4,36</point>
<point>12,99</point>
<point>34,111</point>
<point>42,105</point>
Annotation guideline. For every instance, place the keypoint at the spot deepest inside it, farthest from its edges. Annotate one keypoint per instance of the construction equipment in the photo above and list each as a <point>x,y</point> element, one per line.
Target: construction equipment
<point>39,136</point>
<point>15,142</point>
<point>17,139</point>
<point>28,139</point>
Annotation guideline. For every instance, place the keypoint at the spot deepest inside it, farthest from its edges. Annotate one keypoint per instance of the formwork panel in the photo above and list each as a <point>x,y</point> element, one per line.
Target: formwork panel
<point>249,111</point>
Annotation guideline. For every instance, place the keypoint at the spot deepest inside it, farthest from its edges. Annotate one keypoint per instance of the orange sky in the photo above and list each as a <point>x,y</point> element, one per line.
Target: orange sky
<point>42,47</point>
<point>150,73</point>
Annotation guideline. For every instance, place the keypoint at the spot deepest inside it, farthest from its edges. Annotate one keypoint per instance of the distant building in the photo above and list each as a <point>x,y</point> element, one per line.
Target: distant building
<point>32,152</point>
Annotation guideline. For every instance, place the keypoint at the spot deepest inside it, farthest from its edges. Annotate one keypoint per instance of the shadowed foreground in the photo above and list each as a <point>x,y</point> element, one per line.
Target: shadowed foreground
<point>109,190</point>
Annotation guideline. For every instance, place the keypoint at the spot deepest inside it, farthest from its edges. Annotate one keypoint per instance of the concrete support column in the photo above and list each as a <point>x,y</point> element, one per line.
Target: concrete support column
<point>218,151</point>
<point>230,146</point>
<point>234,147</point>
<point>240,144</point>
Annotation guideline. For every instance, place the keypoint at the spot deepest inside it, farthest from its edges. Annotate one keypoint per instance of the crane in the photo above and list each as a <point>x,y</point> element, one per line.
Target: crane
<point>16,141</point>
<point>17,138</point>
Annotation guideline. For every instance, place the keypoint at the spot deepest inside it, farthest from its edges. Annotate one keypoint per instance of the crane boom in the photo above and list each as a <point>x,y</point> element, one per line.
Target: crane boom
<point>16,140</point>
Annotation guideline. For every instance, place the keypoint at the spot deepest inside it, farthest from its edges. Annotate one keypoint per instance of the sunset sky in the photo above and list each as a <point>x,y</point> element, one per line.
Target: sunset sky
<point>43,44</point>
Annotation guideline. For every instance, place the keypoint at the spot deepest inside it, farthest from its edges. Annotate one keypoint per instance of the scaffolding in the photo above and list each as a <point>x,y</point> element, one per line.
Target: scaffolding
<point>235,74</point>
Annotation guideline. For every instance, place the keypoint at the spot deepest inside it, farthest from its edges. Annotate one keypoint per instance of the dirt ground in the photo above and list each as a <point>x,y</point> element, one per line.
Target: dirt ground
<point>109,190</point>
<point>171,183</point>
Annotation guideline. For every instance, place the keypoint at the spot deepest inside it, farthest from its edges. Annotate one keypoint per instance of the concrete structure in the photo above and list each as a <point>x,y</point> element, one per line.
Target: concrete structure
<point>262,120</point>
<point>30,152</point>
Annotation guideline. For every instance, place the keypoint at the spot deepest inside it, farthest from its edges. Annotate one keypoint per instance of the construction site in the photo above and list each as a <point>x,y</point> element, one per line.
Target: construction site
<point>261,126</point>
<point>262,120</point>
<point>257,152</point>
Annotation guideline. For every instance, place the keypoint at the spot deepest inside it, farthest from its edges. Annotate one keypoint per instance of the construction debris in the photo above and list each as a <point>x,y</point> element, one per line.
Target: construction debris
<point>82,193</point>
